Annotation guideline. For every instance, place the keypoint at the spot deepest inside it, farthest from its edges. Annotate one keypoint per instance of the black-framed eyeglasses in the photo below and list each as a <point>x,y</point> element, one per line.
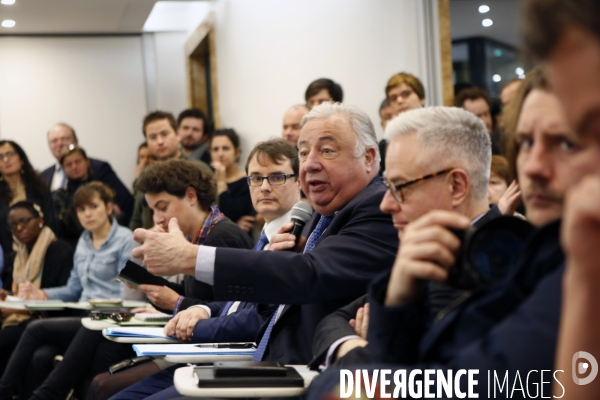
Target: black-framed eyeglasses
<point>7,155</point>
<point>396,188</point>
<point>405,94</point>
<point>274,180</point>
<point>22,222</point>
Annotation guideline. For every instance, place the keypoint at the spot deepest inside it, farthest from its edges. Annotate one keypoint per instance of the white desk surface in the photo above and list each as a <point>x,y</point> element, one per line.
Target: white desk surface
<point>98,325</point>
<point>186,384</point>
<point>197,359</point>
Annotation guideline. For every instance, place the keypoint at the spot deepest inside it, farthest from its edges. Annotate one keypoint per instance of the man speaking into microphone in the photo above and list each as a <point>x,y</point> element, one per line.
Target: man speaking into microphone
<point>348,240</point>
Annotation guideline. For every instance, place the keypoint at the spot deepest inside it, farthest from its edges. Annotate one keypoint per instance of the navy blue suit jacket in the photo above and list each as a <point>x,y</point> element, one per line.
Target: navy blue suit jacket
<point>240,326</point>
<point>336,325</point>
<point>360,243</point>
<point>510,327</point>
<point>103,172</point>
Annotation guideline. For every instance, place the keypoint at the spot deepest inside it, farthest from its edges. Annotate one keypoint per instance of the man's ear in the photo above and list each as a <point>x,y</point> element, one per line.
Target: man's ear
<point>191,196</point>
<point>370,159</point>
<point>459,186</point>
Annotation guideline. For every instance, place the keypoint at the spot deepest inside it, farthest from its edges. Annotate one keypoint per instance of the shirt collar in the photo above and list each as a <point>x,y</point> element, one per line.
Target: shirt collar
<point>272,227</point>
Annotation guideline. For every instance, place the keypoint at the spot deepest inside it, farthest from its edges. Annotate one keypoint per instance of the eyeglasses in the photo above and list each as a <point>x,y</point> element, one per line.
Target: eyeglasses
<point>396,188</point>
<point>274,180</point>
<point>120,317</point>
<point>7,155</point>
<point>22,222</point>
<point>405,94</point>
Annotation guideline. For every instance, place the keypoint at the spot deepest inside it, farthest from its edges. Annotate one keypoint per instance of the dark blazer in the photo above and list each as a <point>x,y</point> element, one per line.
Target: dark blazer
<point>336,325</point>
<point>103,172</point>
<point>224,234</point>
<point>511,326</point>
<point>240,326</point>
<point>360,243</point>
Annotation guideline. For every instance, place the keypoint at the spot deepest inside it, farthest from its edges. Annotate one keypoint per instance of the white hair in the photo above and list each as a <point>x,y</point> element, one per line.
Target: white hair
<point>457,137</point>
<point>360,121</point>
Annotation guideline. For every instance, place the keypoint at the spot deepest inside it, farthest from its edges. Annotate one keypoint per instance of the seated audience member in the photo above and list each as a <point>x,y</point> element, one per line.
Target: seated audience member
<point>500,178</point>
<point>478,102</point>
<point>508,328</point>
<point>350,239</point>
<point>403,92</point>
<point>292,123</point>
<point>438,159</point>
<point>62,136</point>
<point>160,131</point>
<point>40,258</point>
<point>194,131</point>
<point>19,181</point>
<point>77,166</point>
<point>503,189</point>
<point>323,90</point>
<point>564,35</point>
<point>232,187</point>
<point>174,189</point>
<point>272,170</point>
<point>509,91</point>
<point>386,113</point>
<point>144,158</point>
<point>101,253</point>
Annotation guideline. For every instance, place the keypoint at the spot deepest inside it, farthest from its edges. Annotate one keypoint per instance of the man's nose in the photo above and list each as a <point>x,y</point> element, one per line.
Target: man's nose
<point>388,204</point>
<point>537,163</point>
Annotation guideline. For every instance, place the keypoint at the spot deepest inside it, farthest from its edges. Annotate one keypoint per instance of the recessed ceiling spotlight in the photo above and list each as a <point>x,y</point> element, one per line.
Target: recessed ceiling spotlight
<point>496,78</point>
<point>519,71</point>
<point>487,22</point>
<point>522,76</point>
<point>7,2</point>
<point>8,23</point>
<point>483,9</point>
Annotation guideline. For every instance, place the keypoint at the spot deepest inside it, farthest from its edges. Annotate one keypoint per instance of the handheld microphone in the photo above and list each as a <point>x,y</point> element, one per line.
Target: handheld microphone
<point>301,213</point>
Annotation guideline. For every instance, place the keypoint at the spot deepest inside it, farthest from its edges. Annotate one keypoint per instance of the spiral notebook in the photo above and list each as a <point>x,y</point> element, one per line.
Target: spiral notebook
<point>153,317</point>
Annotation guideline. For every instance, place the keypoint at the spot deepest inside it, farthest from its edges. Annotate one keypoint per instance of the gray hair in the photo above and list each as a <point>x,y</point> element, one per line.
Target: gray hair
<point>458,137</point>
<point>360,121</point>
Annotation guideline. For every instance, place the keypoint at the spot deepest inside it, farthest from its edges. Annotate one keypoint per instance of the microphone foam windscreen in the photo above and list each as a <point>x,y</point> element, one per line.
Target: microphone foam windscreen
<point>302,211</point>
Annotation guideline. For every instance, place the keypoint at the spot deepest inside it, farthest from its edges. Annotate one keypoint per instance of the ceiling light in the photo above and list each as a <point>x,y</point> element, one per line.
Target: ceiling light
<point>483,9</point>
<point>487,22</point>
<point>8,23</point>
<point>522,76</point>
<point>519,71</point>
<point>496,78</point>
<point>7,2</point>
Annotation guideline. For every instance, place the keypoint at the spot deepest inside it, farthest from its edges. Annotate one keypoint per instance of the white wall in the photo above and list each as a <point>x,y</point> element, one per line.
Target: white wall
<point>268,51</point>
<point>95,84</point>
<point>171,87</point>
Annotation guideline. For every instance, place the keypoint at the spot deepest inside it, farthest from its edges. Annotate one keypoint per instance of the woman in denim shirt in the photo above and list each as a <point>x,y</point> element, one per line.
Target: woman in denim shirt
<point>101,253</point>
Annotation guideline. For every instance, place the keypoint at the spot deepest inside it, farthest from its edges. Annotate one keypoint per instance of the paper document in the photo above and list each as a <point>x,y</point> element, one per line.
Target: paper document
<point>187,349</point>
<point>146,333</point>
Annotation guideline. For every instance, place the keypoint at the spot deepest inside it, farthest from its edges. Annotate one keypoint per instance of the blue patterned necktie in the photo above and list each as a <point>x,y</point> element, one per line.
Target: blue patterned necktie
<point>310,244</point>
<point>262,242</point>
<point>225,309</point>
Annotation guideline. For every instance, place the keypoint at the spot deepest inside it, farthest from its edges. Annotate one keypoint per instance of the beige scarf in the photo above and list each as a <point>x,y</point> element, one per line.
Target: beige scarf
<point>29,266</point>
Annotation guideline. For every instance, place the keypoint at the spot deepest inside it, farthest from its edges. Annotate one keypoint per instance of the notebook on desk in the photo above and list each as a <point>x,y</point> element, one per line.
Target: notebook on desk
<point>142,333</point>
<point>188,350</point>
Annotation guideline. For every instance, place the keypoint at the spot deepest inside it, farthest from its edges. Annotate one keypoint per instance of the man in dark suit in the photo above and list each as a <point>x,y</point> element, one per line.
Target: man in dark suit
<point>507,329</point>
<point>61,136</point>
<point>419,145</point>
<point>349,239</point>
